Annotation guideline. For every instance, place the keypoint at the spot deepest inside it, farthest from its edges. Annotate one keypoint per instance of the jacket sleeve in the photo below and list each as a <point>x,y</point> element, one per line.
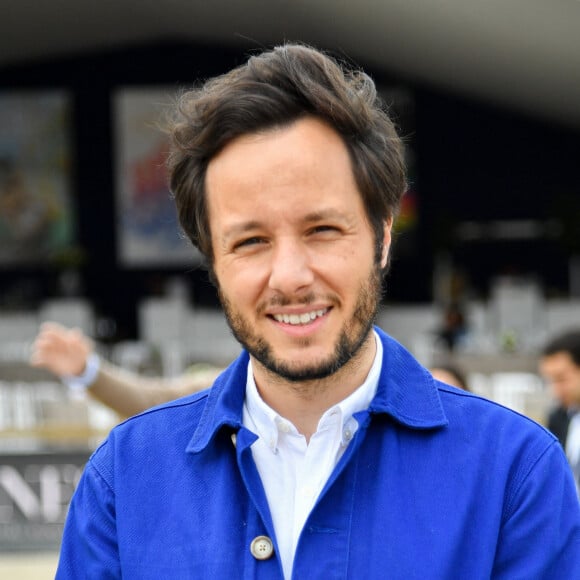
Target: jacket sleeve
<point>540,535</point>
<point>89,545</point>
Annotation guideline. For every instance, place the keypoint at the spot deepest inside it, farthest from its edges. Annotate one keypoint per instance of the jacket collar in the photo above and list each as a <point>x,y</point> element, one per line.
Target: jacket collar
<point>406,392</point>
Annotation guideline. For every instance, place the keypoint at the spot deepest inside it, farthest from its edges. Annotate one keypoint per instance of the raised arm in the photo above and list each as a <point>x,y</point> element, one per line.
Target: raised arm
<point>65,352</point>
<point>129,394</point>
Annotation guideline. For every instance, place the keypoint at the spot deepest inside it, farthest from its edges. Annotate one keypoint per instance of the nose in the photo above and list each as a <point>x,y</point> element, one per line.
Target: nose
<point>291,270</point>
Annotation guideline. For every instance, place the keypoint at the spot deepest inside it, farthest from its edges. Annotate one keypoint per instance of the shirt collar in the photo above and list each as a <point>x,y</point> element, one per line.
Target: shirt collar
<point>260,418</point>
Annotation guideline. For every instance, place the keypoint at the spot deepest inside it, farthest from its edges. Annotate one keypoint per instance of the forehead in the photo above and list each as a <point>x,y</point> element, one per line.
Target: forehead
<point>288,168</point>
<point>558,362</point>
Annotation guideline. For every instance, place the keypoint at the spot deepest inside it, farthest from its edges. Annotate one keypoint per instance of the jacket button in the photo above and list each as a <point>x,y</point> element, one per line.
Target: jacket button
<point>262,548</point>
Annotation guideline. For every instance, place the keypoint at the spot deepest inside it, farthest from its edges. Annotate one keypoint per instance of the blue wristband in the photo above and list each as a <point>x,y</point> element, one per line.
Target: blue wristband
<point>88,377</point>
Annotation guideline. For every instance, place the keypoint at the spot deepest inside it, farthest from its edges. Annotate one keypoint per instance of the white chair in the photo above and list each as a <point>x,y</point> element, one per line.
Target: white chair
<point>209,338</point>
<point>411,325</point>
<point>18,326</point>
<point>562,315</point>
<point>71,312</point>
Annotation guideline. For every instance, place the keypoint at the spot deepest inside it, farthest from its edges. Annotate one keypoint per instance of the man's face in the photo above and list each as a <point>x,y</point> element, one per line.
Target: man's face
<point>563,376</point>
<point>293,249</point>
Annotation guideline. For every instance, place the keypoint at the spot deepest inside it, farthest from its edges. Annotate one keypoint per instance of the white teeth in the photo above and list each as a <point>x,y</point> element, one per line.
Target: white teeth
<point>299,318</point>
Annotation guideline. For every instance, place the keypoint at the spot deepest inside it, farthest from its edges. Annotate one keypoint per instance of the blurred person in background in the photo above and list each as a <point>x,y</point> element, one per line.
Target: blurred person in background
<point>71,356</point>
<point>453,331</point>
<point>450,374</point>
<point>325,450</point>
<point>559,365</point>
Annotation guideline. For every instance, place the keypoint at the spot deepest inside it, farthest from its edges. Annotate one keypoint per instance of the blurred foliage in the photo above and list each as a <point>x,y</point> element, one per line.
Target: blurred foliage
<point>69,257</point>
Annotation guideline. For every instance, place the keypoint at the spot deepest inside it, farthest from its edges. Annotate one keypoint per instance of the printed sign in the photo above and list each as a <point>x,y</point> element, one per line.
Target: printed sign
<point>35,490</point>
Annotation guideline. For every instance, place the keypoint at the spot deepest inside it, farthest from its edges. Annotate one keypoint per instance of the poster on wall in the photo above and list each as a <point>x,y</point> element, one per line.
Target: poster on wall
<point>148,232</point>
<point>36,218</point>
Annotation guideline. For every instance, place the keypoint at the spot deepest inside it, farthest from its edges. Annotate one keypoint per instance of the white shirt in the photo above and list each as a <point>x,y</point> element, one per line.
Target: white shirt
<point>573,448</point>
<point>293,472</point>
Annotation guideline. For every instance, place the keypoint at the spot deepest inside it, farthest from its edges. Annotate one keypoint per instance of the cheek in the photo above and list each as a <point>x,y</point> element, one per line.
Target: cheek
<point>350,266</point>
<point>564,388</point>
<point>354,257</point>
<point>239,284</point>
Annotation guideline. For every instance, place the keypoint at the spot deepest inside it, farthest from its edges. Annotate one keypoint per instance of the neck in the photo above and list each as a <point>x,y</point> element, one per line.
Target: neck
<point>304,402</point>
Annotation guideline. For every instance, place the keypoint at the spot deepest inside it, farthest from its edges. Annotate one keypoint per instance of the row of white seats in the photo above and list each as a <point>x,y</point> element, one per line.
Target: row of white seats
<point>186,333</point>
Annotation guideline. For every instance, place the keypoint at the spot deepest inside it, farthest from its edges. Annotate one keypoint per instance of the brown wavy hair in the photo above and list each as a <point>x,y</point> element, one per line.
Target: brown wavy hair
<point>274,89</point>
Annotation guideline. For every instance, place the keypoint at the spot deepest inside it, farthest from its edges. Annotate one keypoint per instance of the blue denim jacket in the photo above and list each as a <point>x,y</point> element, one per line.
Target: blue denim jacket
<point>437,483</point>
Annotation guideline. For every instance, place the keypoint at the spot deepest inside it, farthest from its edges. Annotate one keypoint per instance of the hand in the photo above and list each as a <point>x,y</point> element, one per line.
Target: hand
<point>61,350</point>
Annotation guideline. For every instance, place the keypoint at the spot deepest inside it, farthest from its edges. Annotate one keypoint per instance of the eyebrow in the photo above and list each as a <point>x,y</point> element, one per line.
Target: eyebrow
<point>322,215</point>
<point>239,229</point>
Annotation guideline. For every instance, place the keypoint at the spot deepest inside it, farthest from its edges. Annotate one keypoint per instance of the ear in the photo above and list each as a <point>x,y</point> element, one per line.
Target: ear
<point>387,227</point>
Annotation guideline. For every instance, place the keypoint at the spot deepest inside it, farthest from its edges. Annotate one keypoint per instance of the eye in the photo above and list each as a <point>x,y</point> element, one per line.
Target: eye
<point>249,242</point>
<point>323,229</point>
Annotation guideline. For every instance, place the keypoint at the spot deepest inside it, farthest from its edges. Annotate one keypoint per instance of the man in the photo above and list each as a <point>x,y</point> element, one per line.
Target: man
<point>325,450</point>
<point>560,366</point>
<point>70,355</point>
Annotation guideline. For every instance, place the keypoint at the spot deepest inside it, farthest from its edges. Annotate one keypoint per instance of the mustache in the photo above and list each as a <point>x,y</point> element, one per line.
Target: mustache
<point>303,300</point>
<point>280,300</point>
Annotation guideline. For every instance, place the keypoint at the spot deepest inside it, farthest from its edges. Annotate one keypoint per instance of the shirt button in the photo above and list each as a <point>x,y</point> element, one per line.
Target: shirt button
<point>284,427</point>
<point>262,547</point>
<point>347,434</point>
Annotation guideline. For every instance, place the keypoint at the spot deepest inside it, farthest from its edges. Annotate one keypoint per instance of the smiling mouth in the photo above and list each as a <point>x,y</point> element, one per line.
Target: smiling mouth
<point>300,319</point>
